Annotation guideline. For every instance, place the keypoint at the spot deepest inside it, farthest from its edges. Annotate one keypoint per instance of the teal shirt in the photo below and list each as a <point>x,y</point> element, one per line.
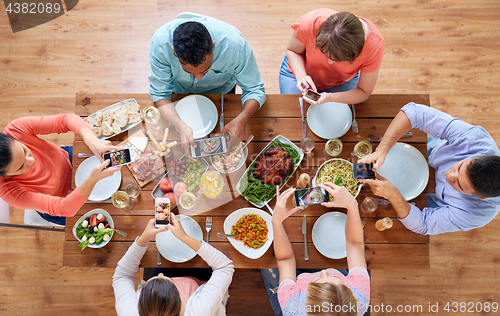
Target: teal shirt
<point>233,62</point>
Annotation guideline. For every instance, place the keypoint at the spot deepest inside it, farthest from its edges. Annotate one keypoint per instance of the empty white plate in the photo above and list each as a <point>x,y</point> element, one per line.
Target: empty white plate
<point>104,188</point>
<point>199,113</point>
<point>172,248</point>
<point>328,235</point>
<point>329,120</point>
<point>406,168</point>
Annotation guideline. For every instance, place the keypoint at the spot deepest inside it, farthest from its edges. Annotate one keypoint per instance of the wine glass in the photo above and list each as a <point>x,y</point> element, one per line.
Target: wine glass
<point>188,201</point>
<point>363,148</point>
<point>151,115</point>
<point>333,148</point>
<point>133,190</point>
<point>121,199</point>
<point>369,204</point>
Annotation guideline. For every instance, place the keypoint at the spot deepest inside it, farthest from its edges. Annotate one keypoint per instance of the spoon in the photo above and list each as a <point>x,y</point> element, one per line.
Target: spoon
<point>246,144</point>
<point>226,235</point>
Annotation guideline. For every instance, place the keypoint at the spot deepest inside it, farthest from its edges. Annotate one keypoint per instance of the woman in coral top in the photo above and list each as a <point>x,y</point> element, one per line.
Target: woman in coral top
<point>36,174</point>
<point>335,53</point>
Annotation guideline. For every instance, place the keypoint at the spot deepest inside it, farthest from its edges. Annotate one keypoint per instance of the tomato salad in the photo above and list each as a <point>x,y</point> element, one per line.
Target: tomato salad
<point>93,230</point>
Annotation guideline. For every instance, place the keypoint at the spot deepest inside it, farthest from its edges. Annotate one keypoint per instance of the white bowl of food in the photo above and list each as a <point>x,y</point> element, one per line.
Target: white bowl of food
<point>334,167</point>
<point>231,161</point>
<point>94,229</point>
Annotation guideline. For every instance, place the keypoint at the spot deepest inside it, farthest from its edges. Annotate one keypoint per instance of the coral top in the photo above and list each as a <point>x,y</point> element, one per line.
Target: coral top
<point>187,285</point>
<point>327,75</point>
<point>45,186</point>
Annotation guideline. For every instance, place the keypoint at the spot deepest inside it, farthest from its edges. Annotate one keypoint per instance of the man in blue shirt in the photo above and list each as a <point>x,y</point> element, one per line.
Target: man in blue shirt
<point>203,55</point>
<point>467,171</point>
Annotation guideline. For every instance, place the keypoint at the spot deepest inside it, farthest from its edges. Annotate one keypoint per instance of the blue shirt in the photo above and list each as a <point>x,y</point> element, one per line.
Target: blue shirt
<point>455,211</point>
<point>233,62</point>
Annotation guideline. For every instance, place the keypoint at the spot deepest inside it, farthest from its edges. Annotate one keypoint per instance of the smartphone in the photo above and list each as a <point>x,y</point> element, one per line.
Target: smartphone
<point>312,96</point>
<point>363,171</point>
<point>162,212</point>
<point>310,196</point>
<point>209,146</point>
<point>118,158</point>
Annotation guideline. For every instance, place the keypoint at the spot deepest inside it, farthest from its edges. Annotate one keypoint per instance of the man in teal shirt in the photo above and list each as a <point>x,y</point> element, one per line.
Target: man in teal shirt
<point>203,55</point>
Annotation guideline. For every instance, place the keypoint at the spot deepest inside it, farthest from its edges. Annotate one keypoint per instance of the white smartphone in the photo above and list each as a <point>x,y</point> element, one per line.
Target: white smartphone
<point>209,147</point>
<point>162,212</point>
<point>312,96</point>
<point>118,158</point>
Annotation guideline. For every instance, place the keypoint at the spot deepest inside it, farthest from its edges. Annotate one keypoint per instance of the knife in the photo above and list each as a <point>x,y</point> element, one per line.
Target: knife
<point>221,120</point>
<point>158,258</point>
<point>304,123</point>
<point>304,232</point>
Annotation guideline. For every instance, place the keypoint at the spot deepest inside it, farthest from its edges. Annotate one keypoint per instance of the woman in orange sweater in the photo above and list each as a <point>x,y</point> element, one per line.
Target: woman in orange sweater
<point>36,174</point>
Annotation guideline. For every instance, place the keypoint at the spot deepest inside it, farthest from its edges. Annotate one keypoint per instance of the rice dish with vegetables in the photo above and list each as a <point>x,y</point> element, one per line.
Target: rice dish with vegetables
<point>251,230</point>
<point>340,173</point>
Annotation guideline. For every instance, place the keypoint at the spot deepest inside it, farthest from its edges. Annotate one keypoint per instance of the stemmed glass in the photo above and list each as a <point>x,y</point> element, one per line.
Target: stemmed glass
<point>133,191</point>
<point>121,199</point>
<point>152,115</point>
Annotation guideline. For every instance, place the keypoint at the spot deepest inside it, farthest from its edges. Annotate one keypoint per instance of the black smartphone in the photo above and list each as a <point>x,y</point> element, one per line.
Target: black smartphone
<point>162,212</point>
<point>209,146</point>
<point>118,158</point>
<point>310,196</point>
<point>312,96</point>
<point>363,171</point>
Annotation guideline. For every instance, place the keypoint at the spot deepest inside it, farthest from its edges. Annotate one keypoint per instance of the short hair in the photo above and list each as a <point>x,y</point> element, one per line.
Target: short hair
<point>484,175</point>
<point>192,43</point>
<point>6,143</point>
<point>341,37</point>
<point>334,294</point>
<point>159,296</point>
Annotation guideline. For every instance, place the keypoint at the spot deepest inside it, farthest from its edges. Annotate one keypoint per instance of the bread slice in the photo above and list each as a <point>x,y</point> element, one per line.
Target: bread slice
<point>108,117</point>
<point>106,129</point>
<point>116,128</point>
<point>90,121</point>
<point>97,131</point>
<point>98,118</point>
<point>134,117</point>
<point>121,117</point>
<point>131,107</point>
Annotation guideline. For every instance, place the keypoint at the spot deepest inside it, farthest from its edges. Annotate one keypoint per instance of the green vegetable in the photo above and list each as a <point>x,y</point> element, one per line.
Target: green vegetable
<point>257,191</point>
<point>339,180</point>
<point>85,231</point>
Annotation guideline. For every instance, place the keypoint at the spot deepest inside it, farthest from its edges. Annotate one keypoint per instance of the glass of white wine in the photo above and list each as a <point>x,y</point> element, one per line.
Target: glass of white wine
<point>151,115</point>
<point>333,147</point>
<point>188,201</point>
<point>121,199</point>
<point>363,148</point>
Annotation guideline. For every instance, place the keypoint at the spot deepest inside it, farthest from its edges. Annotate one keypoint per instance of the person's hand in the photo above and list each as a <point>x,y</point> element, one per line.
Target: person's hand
<point>381,187</point>
<point>305,83</point>
<point>325,97</point>
<point>175,227</point>
<point>100,171</point>
<point>280,211</point>
<point>149,233</point>
<point>341,196</point>
<point>186,134</point>
<point>377,158</point>
<point>100,147</point>
<point>236,128</point>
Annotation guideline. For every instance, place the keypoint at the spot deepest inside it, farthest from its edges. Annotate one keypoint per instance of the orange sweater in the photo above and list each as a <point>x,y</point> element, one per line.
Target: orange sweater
<point>45,186</point>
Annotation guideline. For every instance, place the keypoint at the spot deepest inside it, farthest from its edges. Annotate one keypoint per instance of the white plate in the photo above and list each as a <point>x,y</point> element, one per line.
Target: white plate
<point>199,113</point>
<point>172,248</point>
<point>104,188</point>
<point>316,175</point>
<point>329,120</point>
<point>108,219</point>
<point>249,252</point>
<point>406,168</point>
<point>242,184</point>
<point>328,235</point>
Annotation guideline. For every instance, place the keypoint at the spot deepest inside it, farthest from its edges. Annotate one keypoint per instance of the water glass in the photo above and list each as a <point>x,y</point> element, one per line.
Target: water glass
<point>307,144</point>
<point>132,189</point>
<point>369,204</point>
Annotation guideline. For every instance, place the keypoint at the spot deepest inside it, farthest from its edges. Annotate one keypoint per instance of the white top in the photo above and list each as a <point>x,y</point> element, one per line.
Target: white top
<point>209,299</point>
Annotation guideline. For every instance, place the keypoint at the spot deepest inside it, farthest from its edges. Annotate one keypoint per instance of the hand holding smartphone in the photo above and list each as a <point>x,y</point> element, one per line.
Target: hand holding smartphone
<point>310,196</point>
<point>209,147</point>
<point>363,171</point>
<point>118,158</point>
<point>312,96</point>
<point>162,212</point>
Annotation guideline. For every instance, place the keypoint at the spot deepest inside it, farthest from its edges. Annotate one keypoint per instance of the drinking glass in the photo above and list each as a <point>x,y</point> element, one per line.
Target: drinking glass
<point>151,115</point>
<point>369,204</point>
<point>211,184</point>
<point>333,147</point>
<point>188,201</point>
<point>121,199</point>
<point>363,148</point>
<point>307,144</point>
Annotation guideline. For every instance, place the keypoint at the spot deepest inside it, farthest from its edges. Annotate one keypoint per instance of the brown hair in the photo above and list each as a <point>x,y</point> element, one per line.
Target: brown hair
<point>333,295</point>
<point>341,37</point>
<point>159,297</point>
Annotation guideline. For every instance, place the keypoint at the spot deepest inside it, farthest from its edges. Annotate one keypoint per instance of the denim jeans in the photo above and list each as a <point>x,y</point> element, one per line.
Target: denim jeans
<point>288,83</point>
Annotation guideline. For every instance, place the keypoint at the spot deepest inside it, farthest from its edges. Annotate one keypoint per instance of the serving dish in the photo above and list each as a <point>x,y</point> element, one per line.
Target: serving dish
<point>88,214</point>
<point>315,181</point>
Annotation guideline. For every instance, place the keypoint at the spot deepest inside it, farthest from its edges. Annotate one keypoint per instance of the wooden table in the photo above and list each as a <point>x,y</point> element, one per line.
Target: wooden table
<point>396,248</point>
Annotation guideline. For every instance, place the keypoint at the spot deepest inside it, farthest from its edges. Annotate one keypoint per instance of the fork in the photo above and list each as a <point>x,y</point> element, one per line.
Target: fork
<point>354,123</point>
<point>208,226</point>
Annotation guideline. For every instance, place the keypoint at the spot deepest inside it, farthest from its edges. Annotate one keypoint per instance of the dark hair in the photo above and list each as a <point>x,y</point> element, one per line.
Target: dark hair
<point>484,175</point>
<point>159,297</point>
<point>341,37</point>
<point>192,43</point>
<point>6,143</point>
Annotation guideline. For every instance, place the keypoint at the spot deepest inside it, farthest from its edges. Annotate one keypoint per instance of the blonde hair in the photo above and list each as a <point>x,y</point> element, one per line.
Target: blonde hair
<point>333,295</point>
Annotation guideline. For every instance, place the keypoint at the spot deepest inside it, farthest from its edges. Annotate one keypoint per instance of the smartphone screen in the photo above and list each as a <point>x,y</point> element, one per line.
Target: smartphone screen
<point>162,212</point>
<point>309,196</point>
<point>312,96</point>
<point>363,171</point>
<point>118,158</point>
<point>209,147</point>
